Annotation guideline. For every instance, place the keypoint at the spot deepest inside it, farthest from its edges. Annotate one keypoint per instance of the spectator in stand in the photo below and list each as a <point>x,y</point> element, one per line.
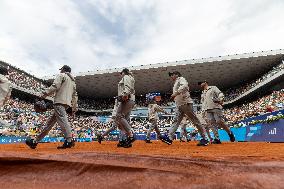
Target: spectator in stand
<point>21,79</point>
<point>108,103</point>
<point>266,104</point>
<point>235,92</point>
<point>23,120</point>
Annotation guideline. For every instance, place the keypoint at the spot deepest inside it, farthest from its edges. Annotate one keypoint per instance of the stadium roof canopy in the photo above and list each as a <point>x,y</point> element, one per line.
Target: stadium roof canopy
<point>223,71</point>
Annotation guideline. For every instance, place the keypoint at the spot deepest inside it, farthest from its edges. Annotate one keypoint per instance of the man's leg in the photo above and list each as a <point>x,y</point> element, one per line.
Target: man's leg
<point>212,124</point>
<point>32,143</point>
<point>109,130</point>
<point>127,117</point>
<point>62,120</point>
<point>158,132</point>
<point>120,118</point>
<point>177,120</point>
<point>153,125</point>
<point>122,132</point>
<point>122,136</point>
<point>50,123</point>
<point>188,110</point>
<point>208,133</point>
<point>183,132</point>
<point>148,134</point>
<point>100,136</point>
<point>221,123</point>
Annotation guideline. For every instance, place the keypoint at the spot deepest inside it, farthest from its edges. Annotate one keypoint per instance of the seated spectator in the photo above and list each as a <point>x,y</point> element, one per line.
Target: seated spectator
<point>266,104</point>
<point>236,92</point>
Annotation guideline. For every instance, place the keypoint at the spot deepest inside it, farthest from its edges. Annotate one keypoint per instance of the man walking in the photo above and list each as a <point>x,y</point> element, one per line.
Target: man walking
<point>64,89</point>
<point>183,131</point>
<point>153,109</point>
<point>126,101</point>
<point>113,127</point>
<point>184,107</point>
<point>212,101</point>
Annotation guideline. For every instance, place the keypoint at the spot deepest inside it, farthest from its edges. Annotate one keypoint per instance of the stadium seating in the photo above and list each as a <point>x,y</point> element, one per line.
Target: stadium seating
<point>19,119</point>
<point>234,94</point>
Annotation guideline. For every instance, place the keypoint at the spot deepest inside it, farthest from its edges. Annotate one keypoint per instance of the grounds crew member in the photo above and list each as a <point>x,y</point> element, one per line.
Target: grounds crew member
<point>212,100</point>
<point>113,127</point>
<point>153,109</point>
<point>64,89</point>
<point>200,116</point>
<point>183,131</point>
<point>126,102</point>
<point>184,107</point>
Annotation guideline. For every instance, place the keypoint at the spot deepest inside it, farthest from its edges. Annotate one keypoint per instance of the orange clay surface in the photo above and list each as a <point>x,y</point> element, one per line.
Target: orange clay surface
<point>156,165</point>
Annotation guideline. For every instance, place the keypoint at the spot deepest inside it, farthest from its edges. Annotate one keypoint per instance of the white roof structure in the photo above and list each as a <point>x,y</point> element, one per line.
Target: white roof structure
<point>222,71</point>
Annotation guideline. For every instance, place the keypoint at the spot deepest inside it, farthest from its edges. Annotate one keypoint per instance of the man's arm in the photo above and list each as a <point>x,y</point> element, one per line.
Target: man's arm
<point>160,109</point>
<point>127,85</point>
<point>8,96</point>
<point>54,87</point>
<point>219,95</point>
<point>183,87</point>
<point>74,101</point>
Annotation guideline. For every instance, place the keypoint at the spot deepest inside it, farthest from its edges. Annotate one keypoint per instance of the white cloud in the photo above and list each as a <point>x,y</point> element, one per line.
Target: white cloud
<point>40,36</point>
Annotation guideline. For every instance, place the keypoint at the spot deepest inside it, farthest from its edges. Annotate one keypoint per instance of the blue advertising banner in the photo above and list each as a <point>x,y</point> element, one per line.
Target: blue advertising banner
<point>239,133</point>
<point>9,140</point>
<point>267,132</point>
<point>13,139</point>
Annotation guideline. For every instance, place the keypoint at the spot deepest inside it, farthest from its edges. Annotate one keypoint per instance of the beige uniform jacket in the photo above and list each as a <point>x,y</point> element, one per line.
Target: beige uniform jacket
<point>64,87</point>
<point>126,87</point>
<point>116,103</point>
<point>208,97</point>
<point>5,89</point>
<point>153,109</point>
<point>182,91</point>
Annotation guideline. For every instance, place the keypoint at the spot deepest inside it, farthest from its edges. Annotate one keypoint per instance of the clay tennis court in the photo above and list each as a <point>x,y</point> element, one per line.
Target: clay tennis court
<point>156,165</point>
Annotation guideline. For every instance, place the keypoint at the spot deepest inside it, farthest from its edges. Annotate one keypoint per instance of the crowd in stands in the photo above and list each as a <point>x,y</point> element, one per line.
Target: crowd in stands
<point>18,118</point>
<point>235,92</point>
<point>21,119</point>
<point>26,81</point>
<point>108,103</point>
<point>96,104</point>
<point>142,125</point>
<point>21,79</point>
<point>266,104</point>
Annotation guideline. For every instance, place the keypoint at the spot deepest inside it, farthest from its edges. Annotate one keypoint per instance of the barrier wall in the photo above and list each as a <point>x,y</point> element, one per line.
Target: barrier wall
<point>261,117</point>
<point>266,132</point>
<point>13,139</point>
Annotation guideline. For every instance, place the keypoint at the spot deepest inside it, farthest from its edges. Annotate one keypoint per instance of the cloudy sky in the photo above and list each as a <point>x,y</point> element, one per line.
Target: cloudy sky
<point>40,36</point>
